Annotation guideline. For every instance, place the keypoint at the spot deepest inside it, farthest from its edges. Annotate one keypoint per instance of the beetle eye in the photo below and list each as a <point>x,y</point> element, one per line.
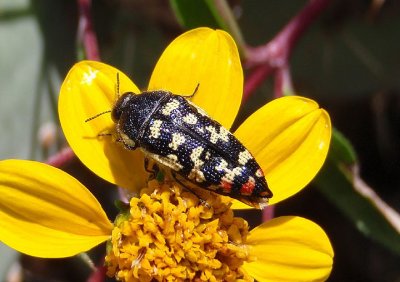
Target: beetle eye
<point>120,106</point>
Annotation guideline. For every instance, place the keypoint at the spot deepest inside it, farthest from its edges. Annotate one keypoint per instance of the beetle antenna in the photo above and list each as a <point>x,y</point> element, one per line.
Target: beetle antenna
<point>104,134</point>
<point>117,90</point>
<point>96,116</point>
<point>194,92</point>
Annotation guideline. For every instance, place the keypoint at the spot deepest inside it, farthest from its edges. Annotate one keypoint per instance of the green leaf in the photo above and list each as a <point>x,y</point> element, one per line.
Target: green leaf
<point>340,182</point>
<point>192,14</point>
<point>341,149</point>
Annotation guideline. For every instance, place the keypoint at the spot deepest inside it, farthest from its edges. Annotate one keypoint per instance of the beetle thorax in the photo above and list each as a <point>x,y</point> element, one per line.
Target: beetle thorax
<point>132,112</point>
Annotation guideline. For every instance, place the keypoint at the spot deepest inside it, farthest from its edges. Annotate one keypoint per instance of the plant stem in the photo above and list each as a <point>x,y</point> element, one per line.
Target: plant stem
<point>86,35</point>
<point>274,55</point>
<point>99,275</point>
<point>268,213</point>
<point>61,158</point>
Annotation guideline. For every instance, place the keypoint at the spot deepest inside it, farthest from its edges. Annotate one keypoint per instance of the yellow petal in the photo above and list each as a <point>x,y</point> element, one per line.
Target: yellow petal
<point>290,138</point>
<point>89,89</point>
<point>45,212</point>
<point>209,58</point>
<point>289,249</point>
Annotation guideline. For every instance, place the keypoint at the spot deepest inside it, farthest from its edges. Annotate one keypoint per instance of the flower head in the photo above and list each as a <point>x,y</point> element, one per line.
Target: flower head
<point>167,233</point>
<point>204,242</point>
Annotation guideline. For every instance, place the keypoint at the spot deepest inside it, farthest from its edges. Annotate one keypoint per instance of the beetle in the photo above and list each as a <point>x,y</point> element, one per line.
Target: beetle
<point>181,136</point>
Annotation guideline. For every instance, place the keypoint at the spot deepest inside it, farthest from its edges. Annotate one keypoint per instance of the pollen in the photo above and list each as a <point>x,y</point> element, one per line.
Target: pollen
<point>168,234</point>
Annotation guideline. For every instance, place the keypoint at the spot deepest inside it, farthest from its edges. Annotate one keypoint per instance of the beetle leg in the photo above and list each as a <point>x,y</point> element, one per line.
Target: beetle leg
<point>152,168</point>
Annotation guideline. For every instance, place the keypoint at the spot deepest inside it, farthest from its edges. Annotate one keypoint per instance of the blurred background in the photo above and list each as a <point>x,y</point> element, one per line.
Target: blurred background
<point>348,60</point>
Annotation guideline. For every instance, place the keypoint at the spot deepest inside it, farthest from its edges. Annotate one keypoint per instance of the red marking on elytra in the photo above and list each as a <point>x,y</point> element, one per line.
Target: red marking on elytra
<point>248,187</point>
<point>226,186</point>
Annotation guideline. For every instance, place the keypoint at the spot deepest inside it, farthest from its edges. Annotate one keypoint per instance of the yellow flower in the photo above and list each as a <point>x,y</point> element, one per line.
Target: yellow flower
<point>47,213</point>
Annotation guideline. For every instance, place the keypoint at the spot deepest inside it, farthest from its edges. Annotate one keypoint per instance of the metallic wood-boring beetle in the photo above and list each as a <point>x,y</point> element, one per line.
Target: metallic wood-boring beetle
<point>181,136</point>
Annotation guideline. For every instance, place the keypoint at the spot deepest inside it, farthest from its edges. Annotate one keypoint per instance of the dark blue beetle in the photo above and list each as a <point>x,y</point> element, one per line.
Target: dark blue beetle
<point>181,136</point>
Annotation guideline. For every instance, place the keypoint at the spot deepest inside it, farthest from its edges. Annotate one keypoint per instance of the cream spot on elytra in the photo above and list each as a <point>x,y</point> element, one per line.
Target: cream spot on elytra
<point>169,107</point>
<point>190,119</point>
<point>215,135</point>
<point>244,157</point>
<point>155,128</point>
<point>177,139</point>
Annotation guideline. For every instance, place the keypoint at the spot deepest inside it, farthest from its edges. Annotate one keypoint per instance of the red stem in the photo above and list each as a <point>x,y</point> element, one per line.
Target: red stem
<point>86,33</point>
<point>61,158</point>
<point>268,213</point>
<point>277,51</point>
<point>254,80</point>
<point>266,59</point>
<point>99,275</point>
